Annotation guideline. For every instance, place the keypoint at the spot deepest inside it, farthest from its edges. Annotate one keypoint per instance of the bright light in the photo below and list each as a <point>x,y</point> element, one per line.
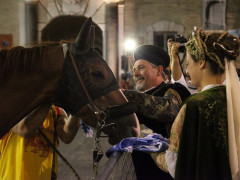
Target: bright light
<point>111,1</point>
<point>130,44</point>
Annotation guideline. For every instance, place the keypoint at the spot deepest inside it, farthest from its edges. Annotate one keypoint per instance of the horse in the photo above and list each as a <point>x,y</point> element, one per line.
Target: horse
<point>80,81</point>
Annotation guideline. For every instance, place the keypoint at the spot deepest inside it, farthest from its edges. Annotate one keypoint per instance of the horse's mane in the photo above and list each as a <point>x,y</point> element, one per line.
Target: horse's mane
<point>23,59</point>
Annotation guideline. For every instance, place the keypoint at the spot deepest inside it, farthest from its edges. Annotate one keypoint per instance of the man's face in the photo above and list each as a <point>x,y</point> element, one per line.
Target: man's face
<point>146,74</point>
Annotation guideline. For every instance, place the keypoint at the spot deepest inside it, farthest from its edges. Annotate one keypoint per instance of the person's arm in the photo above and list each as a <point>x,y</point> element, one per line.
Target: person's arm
<point>167,160</point>
<point>67,127</point>
<point>159,108</point>
<point>174,60</point>
<point>27,126</point>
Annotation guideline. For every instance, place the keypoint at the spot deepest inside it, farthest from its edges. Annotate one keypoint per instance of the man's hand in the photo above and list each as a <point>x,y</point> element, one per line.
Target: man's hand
<point>173,50</point>
<point>172,47</point>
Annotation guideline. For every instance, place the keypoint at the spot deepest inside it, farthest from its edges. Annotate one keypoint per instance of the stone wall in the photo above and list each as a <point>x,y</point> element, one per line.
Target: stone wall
<point>233,14</point>
<point>140,15</point>
<point>9,19</point>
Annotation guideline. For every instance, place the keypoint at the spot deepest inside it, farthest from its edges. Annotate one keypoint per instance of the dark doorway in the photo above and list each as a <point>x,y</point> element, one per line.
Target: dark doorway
<point>67,28</point>
<point>161,38</point>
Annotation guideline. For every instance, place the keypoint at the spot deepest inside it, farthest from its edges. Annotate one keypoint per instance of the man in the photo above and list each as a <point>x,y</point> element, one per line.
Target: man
<point>150,61</point>
<point>25,153</point>
<point>158,103</point>
<point>176,70</point>
<point>149,64</point>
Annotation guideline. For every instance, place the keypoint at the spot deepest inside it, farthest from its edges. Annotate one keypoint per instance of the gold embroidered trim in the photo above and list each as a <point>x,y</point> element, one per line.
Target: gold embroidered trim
<point>171,91</point>
<point>161,162</point>
<point>177,130</point>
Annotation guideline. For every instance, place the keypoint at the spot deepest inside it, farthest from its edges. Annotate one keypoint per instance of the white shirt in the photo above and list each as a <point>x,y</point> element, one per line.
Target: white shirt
<point>184,83</point>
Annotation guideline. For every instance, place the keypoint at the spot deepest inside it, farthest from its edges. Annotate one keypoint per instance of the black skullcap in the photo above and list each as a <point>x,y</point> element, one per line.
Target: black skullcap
<point>152,54</point>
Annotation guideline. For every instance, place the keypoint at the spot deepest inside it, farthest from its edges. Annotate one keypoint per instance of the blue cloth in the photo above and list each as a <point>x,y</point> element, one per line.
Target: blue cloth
<point>150,143</point>
<point>86,129</point>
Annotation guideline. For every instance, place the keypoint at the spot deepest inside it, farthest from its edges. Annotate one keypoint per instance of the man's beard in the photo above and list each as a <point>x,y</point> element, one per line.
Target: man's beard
<point>140,87</point>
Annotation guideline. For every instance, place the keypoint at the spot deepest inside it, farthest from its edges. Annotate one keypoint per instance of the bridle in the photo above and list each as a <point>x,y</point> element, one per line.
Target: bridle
<point>102,116</point>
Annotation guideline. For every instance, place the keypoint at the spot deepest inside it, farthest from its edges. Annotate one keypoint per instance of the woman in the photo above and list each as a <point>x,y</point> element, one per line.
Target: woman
<point>204,141</point>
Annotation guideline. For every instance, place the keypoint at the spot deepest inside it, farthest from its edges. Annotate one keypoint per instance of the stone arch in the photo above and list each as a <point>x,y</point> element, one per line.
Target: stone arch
<point>66,27</point>
<point>164,25</point>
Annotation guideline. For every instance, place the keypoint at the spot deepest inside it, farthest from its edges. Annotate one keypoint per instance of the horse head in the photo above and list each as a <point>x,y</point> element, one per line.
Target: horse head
<point>100,84</point>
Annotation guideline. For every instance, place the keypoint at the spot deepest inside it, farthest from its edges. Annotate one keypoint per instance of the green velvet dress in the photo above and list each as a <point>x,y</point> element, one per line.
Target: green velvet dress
<point>203,146</point>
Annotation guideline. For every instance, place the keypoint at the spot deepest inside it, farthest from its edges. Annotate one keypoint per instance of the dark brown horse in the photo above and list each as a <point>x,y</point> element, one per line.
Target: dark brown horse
<point>33,76</point>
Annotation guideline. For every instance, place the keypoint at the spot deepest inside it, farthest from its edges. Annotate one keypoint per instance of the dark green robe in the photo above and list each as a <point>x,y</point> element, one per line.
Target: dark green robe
<point>203,146</point>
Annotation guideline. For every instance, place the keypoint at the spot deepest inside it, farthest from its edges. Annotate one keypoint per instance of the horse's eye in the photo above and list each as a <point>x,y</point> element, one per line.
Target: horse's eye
<point>98,74</point>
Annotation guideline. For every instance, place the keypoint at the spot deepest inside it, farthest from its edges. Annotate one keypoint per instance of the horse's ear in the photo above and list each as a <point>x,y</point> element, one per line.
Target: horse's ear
<point>82,40</point>
<point>91,38</point>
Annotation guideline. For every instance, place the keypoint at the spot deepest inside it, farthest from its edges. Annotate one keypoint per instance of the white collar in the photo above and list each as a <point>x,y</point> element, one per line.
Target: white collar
<point>149,89</point>
<point>210,86</point>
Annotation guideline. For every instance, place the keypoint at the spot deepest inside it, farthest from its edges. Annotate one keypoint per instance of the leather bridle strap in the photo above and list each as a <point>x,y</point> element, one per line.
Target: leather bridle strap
<point>93,107</point>
<point>97,151</point>
<point>101,116</point>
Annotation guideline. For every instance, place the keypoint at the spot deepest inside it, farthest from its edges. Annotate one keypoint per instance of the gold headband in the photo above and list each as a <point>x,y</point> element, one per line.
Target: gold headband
<point>197,47</point>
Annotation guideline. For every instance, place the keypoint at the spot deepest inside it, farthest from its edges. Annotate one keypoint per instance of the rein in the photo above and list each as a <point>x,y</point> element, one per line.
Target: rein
<point>52,144</point>
<point>101,117</point>
<point>60,155</point>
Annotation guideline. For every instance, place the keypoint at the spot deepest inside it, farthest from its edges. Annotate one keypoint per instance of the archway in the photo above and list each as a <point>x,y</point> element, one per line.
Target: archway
<point>67,27</point>
<point>163,26</point>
